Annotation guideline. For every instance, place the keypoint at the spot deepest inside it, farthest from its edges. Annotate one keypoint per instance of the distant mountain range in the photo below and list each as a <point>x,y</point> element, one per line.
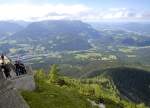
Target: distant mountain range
<point>57,35</point>
<point>138,27</point>
<point>60,35</point>
<point>125,42</point>
<point>8,28</point>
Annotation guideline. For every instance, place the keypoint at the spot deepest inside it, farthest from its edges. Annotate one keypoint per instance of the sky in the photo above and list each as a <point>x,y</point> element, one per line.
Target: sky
<point>86,10</point>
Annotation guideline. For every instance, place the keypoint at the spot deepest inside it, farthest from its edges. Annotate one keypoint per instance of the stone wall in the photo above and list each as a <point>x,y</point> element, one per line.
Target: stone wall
<point>11,98</point>
<point>9,95</point>
<point>24,82</point>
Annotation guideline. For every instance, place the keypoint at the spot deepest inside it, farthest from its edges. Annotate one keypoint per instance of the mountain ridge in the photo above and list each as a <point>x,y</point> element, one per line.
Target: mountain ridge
<point>131,82</point>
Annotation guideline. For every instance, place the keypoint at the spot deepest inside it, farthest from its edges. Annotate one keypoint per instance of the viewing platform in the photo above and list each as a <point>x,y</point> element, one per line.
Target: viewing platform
<point>10,97</point>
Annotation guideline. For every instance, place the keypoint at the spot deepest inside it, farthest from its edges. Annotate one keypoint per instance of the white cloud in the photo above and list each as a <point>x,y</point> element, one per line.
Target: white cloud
<point>117,14</point>
<point>28,11</point>
<point>61,11</point>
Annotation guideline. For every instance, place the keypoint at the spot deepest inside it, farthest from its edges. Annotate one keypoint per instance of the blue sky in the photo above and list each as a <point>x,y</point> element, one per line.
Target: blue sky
<point>137,4</point>
<point>89,10</point>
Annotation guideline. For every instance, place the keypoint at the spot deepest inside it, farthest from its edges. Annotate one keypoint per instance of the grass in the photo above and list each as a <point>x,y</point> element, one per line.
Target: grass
<point>52,96</point>
<point>75,93</point>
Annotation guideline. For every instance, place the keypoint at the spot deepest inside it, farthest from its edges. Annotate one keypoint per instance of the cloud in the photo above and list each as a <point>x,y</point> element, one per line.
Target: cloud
<point>32,12</point>
<point>146,15</point>
<point>29,11</point>
<point>116,14</point>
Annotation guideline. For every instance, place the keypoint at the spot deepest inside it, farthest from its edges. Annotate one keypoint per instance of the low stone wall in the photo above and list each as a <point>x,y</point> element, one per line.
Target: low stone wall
<point>24,82</point>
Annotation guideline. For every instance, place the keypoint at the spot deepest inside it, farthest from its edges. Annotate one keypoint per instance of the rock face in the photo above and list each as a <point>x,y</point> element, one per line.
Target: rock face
<point>9,96</point>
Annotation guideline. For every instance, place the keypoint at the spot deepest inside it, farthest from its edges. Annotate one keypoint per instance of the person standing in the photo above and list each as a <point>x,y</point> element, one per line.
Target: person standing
<point>17,68</point>
<point>5,67</point>
<point>2,58</point>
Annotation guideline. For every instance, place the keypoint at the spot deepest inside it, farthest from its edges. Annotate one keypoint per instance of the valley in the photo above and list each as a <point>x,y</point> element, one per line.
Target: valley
<point>85,51</point>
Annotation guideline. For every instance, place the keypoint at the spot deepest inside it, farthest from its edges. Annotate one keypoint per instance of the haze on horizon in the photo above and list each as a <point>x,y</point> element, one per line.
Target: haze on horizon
<point>85,10</point>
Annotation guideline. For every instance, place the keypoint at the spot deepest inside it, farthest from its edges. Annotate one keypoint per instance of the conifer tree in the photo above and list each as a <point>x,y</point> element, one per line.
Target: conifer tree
<point>53,74</point>
<point>39,78</point>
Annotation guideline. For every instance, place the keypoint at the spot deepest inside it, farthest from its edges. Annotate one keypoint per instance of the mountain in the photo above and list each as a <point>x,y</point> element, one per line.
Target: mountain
<point>9,28</point>
<point>132,83</point>
<point>54,28</point>
<point>74,35</point>
<point>104,48</point>
<point>143,28</point>
<point>125,33</point>
<point>57,34</point>
<point>21,22</point>
<point>138,27</point>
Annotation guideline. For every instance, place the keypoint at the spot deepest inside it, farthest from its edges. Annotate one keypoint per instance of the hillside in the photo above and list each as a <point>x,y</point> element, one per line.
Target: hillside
<point>51,95</point>
<point>56,91</point>
<point>132,83</point>
<point>56,97</point>
<point>8,28</point>
<point>53,28</point>
<point>81,50</point>
<point>61,35</point>
<point>138,27</point>
<point>72,35</point>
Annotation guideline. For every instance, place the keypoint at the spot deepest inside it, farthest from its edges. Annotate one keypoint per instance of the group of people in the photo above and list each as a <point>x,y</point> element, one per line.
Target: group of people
<point>6,67</point>
<point>19,68</point>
